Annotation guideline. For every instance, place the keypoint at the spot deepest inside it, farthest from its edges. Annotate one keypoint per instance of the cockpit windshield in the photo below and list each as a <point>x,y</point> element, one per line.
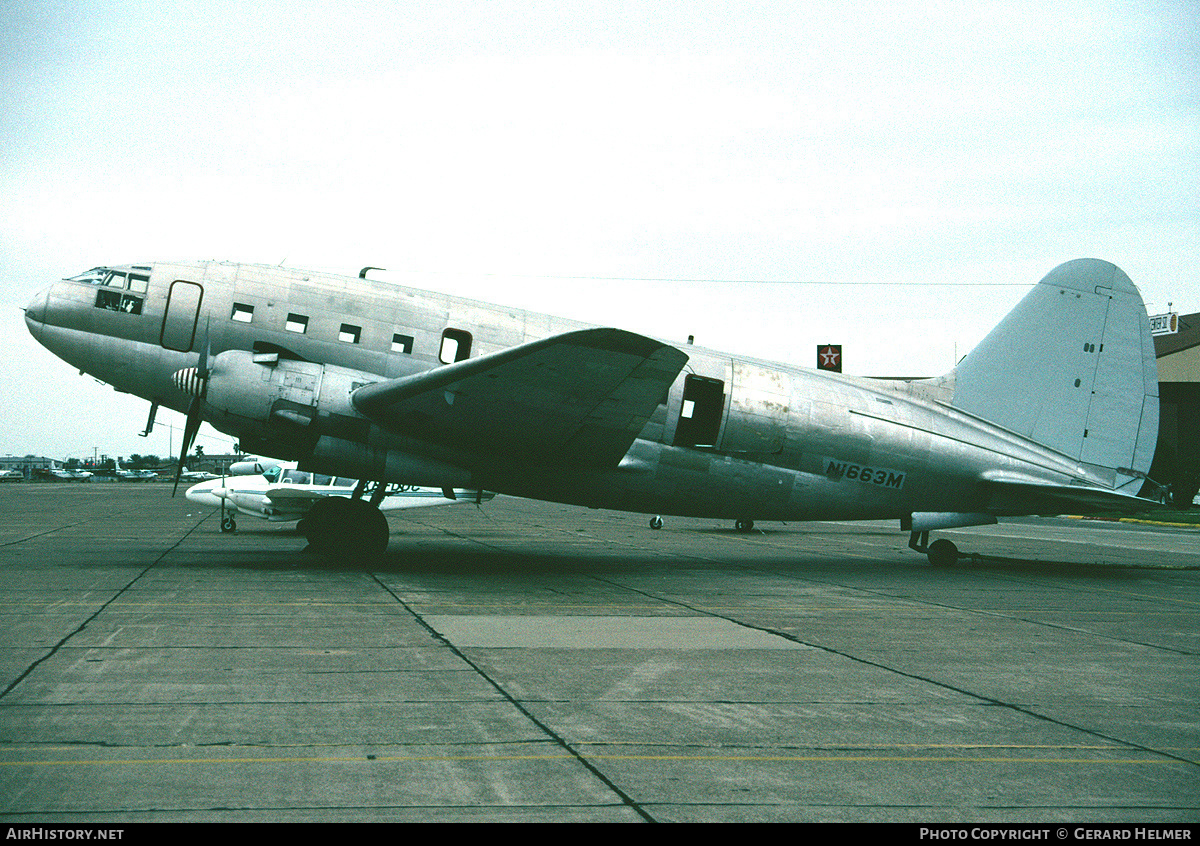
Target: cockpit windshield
<point>120,288</point>
<point>135,278</point>
<point>95,276</point>
<point>282,476</point>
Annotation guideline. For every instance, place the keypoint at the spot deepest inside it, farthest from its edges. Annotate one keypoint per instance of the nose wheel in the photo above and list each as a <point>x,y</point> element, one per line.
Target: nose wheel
<point>228,524</point>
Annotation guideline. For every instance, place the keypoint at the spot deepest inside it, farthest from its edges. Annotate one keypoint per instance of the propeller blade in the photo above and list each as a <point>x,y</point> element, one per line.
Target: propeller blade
<point>205,352</point>
<point>190,428</point>
<point>195,383</point>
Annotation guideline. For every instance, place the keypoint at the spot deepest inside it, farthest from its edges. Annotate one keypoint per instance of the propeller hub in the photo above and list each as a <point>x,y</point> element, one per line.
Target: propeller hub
<point>190,381</point>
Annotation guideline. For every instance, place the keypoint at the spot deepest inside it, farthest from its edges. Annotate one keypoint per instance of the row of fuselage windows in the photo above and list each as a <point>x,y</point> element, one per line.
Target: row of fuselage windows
<point>455,346</point>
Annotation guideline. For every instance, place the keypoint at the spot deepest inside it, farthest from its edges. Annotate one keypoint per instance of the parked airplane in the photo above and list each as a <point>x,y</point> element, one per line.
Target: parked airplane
<point>57,471</point>
<point>286,494</point>
<point>1055,411</point>
<point>194,475</point>
<point>133,475</point>
<point>12,476</point>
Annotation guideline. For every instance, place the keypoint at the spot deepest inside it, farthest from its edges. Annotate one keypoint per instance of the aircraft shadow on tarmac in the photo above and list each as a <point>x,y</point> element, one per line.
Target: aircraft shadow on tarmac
<point>284,549</point>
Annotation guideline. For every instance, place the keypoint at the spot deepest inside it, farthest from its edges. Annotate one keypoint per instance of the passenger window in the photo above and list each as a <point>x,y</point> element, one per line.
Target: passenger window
<point>456,346</point>
<point>350,334</point>
<point>402,344</point>
<point>296,323</point>
<point>242,313</point>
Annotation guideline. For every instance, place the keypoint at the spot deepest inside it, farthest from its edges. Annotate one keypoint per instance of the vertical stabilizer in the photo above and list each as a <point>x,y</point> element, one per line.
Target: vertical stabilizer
<point>1072,367</point>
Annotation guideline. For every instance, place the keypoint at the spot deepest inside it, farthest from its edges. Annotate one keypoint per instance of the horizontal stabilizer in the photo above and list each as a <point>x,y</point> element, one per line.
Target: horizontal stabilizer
<point>1021,496</point>
<point>580,397</point>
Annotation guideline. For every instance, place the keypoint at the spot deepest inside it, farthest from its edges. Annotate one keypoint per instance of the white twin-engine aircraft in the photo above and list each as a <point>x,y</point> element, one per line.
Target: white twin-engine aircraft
<point>1056,410</point>
<point>285,494</point>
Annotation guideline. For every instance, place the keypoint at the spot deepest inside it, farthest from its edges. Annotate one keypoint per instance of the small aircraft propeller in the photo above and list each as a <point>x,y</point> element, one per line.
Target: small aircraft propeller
<point>194,381</point>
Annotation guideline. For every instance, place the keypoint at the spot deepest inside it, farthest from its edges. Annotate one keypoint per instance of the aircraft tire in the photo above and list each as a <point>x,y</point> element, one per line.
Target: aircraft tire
<point>656,522</point>
<point>372,534</point>
<point>942,553</point>
<point>744,526</point>
<point>343,527</point>
<point>228,524</point>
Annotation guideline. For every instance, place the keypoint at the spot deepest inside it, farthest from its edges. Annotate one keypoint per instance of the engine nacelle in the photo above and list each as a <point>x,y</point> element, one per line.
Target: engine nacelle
<point>256,388</point>
<point>300,410</point>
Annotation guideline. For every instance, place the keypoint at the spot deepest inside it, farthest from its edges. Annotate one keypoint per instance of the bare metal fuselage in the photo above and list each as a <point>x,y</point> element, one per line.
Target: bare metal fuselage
<point>733,438</point>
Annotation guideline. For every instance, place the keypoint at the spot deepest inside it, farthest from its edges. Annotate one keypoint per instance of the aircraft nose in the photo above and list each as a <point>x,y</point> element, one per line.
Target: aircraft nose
<point>35,312</point>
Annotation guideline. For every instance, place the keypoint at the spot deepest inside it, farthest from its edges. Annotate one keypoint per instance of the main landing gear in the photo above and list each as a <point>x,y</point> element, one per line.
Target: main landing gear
<point>942,553</point>
<point>347,527</point>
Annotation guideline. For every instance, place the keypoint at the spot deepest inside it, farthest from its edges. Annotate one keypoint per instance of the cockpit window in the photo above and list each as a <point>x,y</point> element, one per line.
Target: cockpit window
<point>137,280</point>
<point>95,276</point>
<point>295,477</point>
<point>118,301</point>
<point>272,474</point>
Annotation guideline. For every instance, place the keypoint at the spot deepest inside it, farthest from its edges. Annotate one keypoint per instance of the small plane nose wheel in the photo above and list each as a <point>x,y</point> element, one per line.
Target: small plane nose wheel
<point>656,522</point>
<point>228,524</point>
<point>744,526</point>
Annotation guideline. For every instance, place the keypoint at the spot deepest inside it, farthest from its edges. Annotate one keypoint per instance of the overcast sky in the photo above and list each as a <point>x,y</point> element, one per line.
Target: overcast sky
<point>765,176</point>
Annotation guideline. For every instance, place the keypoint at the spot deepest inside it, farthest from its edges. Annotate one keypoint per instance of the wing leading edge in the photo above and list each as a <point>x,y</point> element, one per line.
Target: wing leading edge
<point>579,398</point>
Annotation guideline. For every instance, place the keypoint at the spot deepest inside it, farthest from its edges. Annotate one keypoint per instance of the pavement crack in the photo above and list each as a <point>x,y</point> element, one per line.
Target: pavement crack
<point>981,697</point>
<point>558,739</point>
<point>54,649</point>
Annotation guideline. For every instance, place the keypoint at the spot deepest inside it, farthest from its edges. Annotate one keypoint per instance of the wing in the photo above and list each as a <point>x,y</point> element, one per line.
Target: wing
<point>580,398</point>
<point>292,499</point>
<point>426,497</point>
<point>297,500</point>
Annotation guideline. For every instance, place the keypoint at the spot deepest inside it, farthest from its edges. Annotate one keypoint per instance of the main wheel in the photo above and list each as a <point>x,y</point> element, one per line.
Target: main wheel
<point>346,527</point>
<point>744,526</point>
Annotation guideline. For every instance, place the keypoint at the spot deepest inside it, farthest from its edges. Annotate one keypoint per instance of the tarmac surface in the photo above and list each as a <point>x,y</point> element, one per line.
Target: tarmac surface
<point>532,662</point>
